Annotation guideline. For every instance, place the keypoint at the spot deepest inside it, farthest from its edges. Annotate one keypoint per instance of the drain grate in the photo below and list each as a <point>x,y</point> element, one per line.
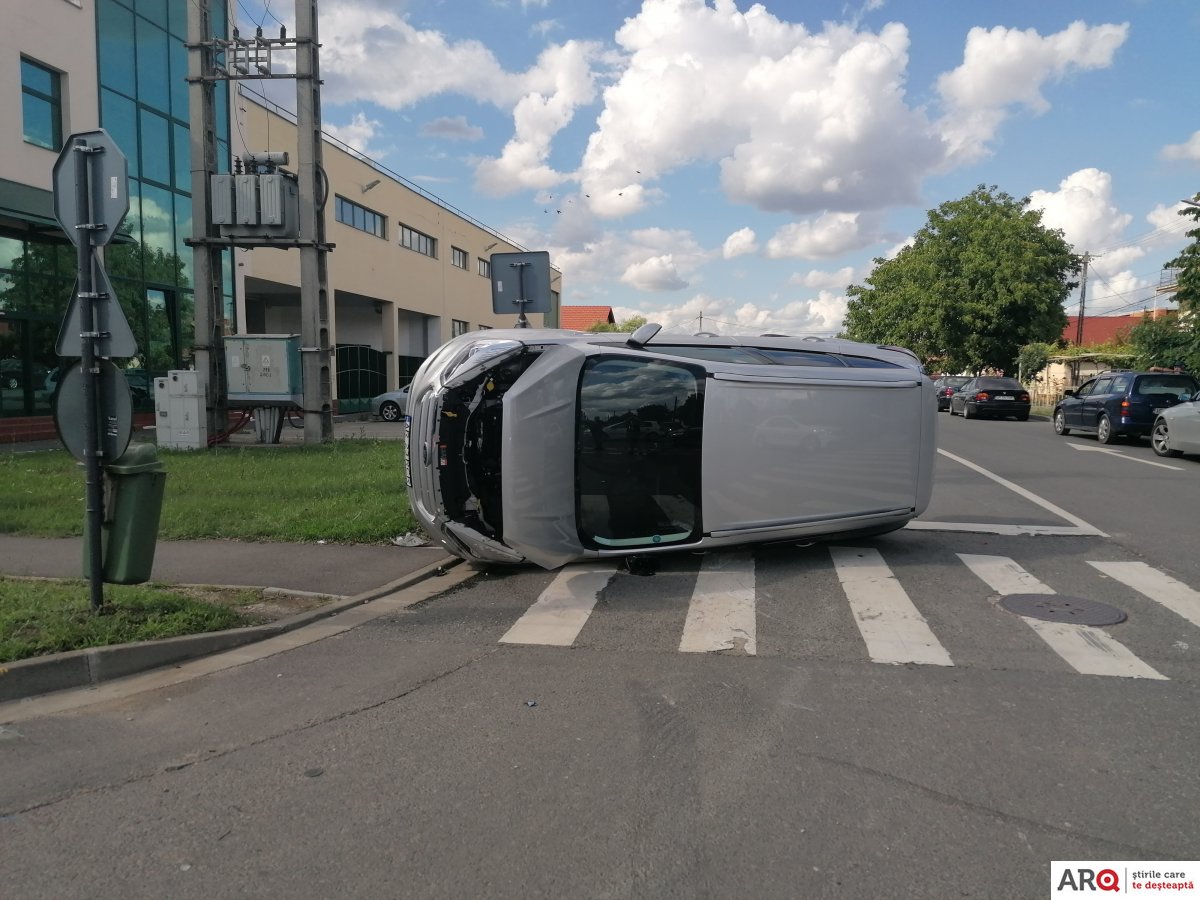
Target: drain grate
<point>1059,608</point>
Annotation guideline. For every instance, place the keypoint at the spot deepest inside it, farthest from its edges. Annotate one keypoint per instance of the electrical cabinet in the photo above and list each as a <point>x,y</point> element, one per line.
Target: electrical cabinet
<point>264,370</point>
<point>180,417</point>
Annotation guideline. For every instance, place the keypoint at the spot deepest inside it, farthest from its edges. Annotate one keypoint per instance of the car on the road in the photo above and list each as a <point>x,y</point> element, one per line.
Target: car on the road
<point>534,445</point>
<point>391,406</point>
<point>13,375</point>
<point>1120,404</point>
<point>1176,430</point>
<point>945,387</point>
<point>991,396</point>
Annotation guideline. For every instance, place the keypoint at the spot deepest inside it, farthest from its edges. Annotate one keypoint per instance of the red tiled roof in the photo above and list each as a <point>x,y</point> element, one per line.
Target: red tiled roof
<point>1101,329</point>
<point>581,318</point>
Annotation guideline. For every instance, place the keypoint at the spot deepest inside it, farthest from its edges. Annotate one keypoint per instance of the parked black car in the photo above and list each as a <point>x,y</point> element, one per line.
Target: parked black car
<point>991,396</point>
<point>1120,404</point>
<point>945,388</point>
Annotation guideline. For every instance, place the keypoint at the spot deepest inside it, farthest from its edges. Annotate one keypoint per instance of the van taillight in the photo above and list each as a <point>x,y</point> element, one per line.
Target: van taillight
<point>1124,407</point>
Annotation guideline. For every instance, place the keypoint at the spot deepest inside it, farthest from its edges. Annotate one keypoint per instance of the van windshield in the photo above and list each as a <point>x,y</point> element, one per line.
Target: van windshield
<point>637,452</point>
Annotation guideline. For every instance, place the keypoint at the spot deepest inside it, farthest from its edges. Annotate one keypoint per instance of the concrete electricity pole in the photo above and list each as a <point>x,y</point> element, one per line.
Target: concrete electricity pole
<point>206,255</point>
<point>314,193</point>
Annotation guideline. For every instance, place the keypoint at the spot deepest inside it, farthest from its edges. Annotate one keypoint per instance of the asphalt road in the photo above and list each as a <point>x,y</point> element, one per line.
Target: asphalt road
<point>425,754</point>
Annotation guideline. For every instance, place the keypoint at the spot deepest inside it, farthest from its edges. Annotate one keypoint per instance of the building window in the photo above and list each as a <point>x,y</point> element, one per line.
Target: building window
<point>458,257</point>
<point>41,105</point>
<point>458,326</point>
<point>349,213</point>
<point>485,268</point>
<point>415,240</point>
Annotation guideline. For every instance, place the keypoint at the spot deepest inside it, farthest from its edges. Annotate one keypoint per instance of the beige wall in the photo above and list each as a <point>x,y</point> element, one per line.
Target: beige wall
<point>59,34</point>
<point>419,296</point>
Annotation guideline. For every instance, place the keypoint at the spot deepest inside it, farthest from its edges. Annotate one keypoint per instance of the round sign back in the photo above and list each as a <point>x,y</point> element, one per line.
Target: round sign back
<point>114,418</point>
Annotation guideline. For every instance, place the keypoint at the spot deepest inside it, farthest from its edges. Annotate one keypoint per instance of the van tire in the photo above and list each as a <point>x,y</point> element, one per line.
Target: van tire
<point>1104,431</point>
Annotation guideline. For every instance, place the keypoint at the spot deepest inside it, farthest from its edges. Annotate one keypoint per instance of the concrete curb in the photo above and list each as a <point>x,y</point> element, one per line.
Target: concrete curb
<point>80,668</point>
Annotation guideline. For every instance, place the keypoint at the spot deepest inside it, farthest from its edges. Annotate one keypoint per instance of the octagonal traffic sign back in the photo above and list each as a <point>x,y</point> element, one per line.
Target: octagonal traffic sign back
<point>108,177</point>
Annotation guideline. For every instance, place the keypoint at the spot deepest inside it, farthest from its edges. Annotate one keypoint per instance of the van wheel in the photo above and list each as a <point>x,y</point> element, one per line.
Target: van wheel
<point>1104,431</point>
<point>1060,423</point>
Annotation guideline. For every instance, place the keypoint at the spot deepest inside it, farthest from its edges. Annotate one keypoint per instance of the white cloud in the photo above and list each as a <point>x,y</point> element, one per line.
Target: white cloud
<point>357,135</point>
<point>564,81</point>
<point>451,128</point>
<point>739,243</point>
<point>658,273</point>
<point>1188,150</point>
<point>648,259</point>
<point>816,278</point>
<point>822,315</point>
<point>1083,208</point>
<point>797,121</point>
<point>1004,67</point>
<point>825,237</point>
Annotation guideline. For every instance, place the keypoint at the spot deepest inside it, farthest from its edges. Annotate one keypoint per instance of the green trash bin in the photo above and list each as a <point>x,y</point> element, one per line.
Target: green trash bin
<point>130,529</point>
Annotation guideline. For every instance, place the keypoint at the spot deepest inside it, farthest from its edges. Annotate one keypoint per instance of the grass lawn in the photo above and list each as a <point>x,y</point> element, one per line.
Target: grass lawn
<point>40,616</point>
<point>348,491</point>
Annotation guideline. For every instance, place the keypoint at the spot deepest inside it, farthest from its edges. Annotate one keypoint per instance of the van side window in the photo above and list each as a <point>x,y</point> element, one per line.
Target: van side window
<point>1103,386</point>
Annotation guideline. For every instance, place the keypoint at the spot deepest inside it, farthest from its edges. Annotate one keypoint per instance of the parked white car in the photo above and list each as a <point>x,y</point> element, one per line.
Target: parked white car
<point>1176,429</point>
<point>550,446</point>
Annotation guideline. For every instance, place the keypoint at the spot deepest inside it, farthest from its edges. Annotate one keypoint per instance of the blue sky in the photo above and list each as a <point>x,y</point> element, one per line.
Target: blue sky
<point>744,162</point>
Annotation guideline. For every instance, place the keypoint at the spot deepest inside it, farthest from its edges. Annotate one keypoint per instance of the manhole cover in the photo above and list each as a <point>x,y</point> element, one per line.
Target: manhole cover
<point>1058,608</point>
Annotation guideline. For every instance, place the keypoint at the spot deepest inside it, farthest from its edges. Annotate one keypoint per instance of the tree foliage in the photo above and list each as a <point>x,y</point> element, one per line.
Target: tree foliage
<point>630,325</point>
<point>980,280</point>
<point>1032,358</point>
<point>1161,342</point>
<point>1188,263</point>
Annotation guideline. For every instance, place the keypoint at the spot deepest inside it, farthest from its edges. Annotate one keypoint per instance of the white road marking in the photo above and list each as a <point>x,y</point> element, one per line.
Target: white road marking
<point>721,613</point>
<point>1081,527</point>
<point>560,613</point>
<point>1089,650</point>
<point>1111,452</point>
<point>892,627</point>
<point>1158,586</point>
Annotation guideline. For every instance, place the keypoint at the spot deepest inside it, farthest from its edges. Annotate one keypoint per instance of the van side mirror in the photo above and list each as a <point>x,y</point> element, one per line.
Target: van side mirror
<point>1069,392</point>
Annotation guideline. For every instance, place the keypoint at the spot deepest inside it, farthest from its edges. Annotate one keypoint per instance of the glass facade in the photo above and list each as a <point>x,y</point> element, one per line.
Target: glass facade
<point>144,107</point>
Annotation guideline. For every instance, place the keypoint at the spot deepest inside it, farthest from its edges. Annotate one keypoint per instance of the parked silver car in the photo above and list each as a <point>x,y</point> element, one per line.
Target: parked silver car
<point>550,446</point>
<point>391,405</point>
<point>1176,429</point>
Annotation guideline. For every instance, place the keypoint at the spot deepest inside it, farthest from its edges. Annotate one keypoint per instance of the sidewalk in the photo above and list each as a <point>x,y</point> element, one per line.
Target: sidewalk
<point>351,573</point>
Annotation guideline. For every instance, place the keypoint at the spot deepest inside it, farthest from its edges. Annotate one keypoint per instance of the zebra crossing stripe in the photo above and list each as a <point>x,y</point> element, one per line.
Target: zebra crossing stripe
<point>721,613</point>
<point>560,613</point>
<point>1088,650</point>
<point>1158,586</point>
<point>893,629</point>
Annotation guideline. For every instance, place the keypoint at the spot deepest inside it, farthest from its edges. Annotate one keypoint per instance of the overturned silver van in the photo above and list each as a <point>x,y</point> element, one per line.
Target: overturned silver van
<point>550,446</point>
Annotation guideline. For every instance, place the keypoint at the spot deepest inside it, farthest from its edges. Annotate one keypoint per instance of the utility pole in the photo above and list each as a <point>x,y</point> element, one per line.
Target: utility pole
<point>314,192</point>
<point>1087,258</point>
<point>206,257</point>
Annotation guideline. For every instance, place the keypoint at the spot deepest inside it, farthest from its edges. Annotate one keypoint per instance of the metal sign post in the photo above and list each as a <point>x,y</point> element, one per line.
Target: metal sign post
<point>523,280</point>
<point>91,198</point>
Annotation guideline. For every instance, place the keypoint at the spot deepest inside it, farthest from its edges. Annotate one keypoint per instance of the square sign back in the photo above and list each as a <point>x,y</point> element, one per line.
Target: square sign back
<point>520,282</point>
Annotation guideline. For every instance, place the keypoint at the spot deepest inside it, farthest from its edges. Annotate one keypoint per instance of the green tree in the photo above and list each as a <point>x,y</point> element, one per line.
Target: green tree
<point>1032,358</point>
<point>630,325</point>
<point>981,279</point>
<point>1188,263</point>
<point>1161,342</point>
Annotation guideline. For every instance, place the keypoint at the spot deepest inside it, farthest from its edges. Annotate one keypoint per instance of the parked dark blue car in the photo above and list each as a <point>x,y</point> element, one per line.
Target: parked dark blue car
<point>1120,404</point>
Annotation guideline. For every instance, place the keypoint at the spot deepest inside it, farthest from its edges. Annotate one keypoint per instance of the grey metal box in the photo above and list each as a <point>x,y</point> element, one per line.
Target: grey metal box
<point>247,199</point>
<point>222,199</point>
